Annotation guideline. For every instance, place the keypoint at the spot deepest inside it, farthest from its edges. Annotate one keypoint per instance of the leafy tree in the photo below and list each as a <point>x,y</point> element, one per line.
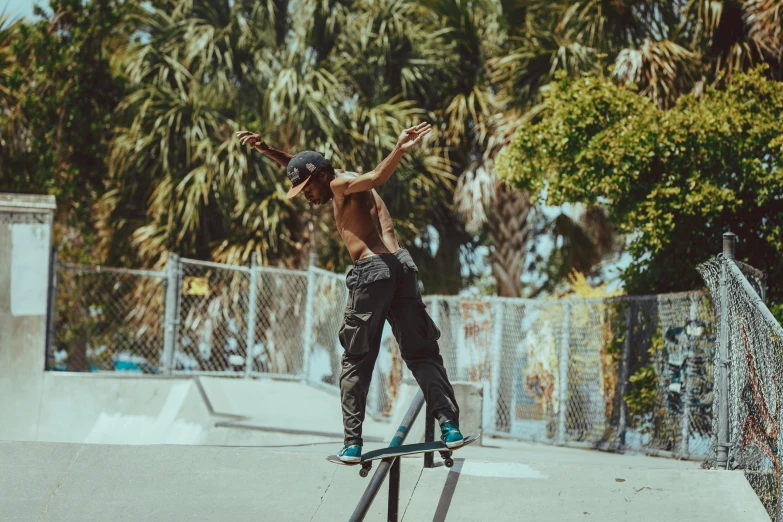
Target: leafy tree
<point>64,90</point>
<point>12,129</point>
<point>339,76</point>
<point>673,180</point>
<point>666,49</point>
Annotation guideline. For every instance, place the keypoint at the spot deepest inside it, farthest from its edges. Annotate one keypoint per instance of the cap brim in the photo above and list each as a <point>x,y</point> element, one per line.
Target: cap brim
<point>296,189</point>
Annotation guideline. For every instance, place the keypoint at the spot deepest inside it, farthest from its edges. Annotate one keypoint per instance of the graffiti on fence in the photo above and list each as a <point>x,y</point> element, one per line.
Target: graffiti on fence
<point>683,366</point>
<point>476,337</point>
<point>540,373</point>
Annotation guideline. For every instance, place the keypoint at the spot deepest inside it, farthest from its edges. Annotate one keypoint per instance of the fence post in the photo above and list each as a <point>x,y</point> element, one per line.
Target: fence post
<point>490,421</point>
<point>170,319</point>
<point>625,370</point>
<point>434,306</point>
<point>564,350</point>
<point>308,328</point>
<point>251,314</point>
<point>729,248</point>
<point>51,309</point>
<point>687,393</point>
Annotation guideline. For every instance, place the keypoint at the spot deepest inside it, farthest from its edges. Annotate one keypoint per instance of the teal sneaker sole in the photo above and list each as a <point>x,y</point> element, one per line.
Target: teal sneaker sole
<point>350,459</point>
<point>455,444</point>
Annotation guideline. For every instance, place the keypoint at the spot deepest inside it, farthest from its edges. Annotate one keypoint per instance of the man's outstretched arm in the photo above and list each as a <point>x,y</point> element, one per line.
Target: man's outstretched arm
<point>383,171</point>
<point>258,143</point>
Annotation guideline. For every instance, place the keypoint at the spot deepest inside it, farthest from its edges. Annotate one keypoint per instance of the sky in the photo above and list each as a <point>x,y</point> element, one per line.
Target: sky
<point>17,8</point>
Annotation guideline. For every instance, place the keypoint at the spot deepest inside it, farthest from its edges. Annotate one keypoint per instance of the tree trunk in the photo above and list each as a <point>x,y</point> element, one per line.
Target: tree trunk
<point>510,233</point>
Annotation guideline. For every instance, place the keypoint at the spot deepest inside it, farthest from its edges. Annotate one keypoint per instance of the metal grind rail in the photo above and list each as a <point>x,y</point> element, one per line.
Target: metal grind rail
<point>393,464</point>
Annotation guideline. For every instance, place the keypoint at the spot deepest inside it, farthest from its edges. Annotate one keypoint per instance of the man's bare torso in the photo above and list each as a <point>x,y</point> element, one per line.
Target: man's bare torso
<point>364,223</point>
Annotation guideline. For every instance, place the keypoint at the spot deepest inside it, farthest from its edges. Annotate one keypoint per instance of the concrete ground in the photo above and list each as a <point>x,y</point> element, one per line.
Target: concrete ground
<point>505,481</point>
<point>106,447</point>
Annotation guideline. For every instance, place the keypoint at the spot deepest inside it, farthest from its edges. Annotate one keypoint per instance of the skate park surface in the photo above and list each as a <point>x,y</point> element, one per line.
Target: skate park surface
<point>105,447</point>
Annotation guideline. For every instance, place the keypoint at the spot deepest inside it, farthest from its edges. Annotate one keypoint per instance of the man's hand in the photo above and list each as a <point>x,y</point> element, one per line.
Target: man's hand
<point>255,141</point>
<point>258,143</point>
<point>411,137</point>
<point>379,175</point>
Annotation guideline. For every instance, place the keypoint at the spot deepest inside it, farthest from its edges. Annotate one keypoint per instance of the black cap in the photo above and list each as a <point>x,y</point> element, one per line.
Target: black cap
<point>302,167</point>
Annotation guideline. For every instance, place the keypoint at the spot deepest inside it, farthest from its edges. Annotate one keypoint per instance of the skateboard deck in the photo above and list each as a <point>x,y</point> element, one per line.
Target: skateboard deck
<point>406,449</point>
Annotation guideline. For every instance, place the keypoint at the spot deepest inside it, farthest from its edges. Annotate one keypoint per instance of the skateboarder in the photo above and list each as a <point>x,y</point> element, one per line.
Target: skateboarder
<point>382,285</point>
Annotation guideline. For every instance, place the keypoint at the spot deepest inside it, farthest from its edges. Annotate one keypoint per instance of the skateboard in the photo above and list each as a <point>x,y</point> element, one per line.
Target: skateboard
<point>407,449</point>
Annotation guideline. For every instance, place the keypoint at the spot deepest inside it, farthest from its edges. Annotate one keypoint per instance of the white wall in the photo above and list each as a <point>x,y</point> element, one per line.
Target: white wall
<point>25,247</point>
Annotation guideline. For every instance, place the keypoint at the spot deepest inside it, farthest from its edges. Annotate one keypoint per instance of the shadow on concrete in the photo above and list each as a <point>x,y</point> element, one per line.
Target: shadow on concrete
<point>448,491</point>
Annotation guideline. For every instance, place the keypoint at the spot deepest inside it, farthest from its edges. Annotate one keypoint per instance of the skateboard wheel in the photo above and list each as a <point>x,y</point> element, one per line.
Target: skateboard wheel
<point>449,462</point>
<point>364,472</point>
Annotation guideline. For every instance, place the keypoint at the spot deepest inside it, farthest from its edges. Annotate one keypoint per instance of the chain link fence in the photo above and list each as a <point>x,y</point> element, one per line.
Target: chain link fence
<point>213,315</point>
<point>204,318</point>
<point>746,426</point>
<point>631,374</point>
<point>107,319</point>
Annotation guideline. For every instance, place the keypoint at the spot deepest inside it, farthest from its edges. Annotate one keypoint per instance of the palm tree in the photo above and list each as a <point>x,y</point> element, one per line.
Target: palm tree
<point>205,67</point>
<point>670,48</point>
<point>764,28</point>
<point>506,52</point>
<point>175,177</point>
<point>475,118</point>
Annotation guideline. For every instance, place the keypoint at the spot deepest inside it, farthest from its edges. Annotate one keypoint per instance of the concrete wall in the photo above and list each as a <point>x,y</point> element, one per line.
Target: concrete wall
<point>25,246</point>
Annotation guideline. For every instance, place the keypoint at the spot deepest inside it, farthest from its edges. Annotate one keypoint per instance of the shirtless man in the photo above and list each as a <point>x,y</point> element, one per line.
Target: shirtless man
<point>382,285</point>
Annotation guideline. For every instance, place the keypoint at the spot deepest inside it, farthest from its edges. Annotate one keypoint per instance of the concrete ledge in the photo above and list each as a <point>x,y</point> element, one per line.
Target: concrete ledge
<point>26,203</point>
<point>252,424</point>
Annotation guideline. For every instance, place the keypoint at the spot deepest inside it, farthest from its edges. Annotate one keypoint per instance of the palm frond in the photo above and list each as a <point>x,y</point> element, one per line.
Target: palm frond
<point>661,69</point>
<point>764,20</point>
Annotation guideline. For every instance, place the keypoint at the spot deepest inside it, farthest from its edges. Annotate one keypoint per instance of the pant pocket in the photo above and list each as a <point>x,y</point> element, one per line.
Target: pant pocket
<point>355,332</point>
<point>374,272</point>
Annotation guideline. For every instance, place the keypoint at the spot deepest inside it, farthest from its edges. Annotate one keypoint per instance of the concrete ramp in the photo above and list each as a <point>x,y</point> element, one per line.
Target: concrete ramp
<point>80,482</point>
<point>138,410</point>
<point>120,410</point>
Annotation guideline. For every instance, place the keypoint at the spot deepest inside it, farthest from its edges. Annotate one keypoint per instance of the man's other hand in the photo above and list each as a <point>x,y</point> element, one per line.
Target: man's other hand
<point>255,141</point>
<point>411,137</point>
